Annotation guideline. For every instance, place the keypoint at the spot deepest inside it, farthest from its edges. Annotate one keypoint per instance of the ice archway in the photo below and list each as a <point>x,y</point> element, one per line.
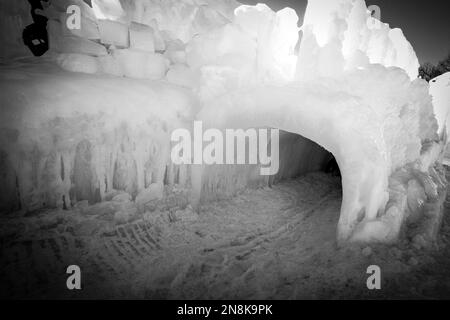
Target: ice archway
<point>351,94</point>
<point>362,162</point>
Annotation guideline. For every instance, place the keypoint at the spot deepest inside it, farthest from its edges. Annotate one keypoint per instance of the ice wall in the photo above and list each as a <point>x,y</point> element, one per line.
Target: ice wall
<point>341,35</point>
<point>257,47</point>
<point>63,142</point>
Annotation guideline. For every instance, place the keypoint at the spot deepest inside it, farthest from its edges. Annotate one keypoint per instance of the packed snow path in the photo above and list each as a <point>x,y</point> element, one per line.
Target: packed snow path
<point>274,242</point>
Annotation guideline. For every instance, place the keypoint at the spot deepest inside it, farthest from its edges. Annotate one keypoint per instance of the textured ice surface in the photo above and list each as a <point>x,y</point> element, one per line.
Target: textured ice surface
<point>340,35</point>
<point>63,142</point>
<point>440,90</point>
<point>142,37</point>
<point>352,89</point>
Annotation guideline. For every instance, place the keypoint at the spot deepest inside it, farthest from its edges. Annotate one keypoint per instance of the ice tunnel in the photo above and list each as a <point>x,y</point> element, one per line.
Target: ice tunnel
<point>297,156</point>
<point>361,160</point>
<point>93,116</point>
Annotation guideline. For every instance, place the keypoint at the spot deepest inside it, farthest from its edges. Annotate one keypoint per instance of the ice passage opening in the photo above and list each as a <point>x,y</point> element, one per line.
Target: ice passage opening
<point>308,182</point>
<point>300,156</point>
<point>311,175</point>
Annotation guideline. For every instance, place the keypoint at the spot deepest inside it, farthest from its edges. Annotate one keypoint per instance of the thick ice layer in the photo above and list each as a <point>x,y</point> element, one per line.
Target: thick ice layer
<point>257,47</point>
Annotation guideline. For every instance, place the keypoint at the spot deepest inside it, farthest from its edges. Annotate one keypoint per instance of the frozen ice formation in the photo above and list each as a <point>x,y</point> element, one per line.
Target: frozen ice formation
<point>440,90</point>
<point>62,141</point>
<point>341,35</point>
<point>143,68</point>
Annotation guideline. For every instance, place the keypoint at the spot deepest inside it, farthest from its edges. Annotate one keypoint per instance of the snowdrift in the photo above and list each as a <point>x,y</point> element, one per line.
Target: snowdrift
<point>136,70</point>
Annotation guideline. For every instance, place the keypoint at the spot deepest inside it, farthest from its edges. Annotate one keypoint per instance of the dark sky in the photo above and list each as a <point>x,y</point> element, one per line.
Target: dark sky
<point>425,23</point>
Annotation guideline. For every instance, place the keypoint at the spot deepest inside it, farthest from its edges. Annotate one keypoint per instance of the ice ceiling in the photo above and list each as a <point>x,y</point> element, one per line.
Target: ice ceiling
<point>352,86</point>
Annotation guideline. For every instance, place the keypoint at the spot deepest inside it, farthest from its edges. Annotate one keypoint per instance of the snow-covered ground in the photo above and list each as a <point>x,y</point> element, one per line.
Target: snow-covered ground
<point>272,243</point>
